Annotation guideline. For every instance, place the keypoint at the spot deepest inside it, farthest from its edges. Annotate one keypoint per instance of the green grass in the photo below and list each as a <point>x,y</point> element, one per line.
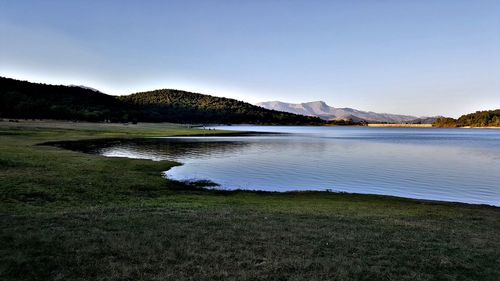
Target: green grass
<point>66,215</point>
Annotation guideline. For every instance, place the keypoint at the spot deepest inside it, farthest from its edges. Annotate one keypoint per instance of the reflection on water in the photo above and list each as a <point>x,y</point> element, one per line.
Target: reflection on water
<point>172,149</point>
<point>450,164</point>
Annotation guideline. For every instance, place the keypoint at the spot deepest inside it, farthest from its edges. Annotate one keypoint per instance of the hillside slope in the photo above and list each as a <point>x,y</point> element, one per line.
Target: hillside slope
<point>22,99</point>
<point>488,118</point>
<point>175,105</point>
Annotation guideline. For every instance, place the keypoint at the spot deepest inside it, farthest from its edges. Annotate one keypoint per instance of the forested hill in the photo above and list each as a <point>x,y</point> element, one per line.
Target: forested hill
<point>489,118</point>
<point>22,99</point>
<point>178,104</point>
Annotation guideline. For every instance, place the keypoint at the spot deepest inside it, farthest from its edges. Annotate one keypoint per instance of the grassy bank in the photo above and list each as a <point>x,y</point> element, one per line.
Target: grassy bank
<point>71,216</point>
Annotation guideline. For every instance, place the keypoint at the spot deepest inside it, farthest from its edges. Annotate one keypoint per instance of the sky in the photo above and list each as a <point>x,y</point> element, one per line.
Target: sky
<point>425,58</point>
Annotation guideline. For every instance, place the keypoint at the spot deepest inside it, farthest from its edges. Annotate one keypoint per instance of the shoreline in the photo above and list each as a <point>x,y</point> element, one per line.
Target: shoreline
<point>469,127</point>
<point>75,144</point>
<point>401,125</point>
<point>68,145</point>
<point>67,124</point>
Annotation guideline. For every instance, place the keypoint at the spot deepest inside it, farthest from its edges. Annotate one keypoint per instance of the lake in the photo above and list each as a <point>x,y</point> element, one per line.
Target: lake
<point>460,165</point>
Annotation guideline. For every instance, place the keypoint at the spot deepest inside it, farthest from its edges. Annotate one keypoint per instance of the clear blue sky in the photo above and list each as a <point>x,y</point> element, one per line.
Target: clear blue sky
<point>412,57</point>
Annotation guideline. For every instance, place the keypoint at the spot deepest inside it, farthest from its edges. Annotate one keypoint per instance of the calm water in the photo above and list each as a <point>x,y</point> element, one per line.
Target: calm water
<point>441,164</point>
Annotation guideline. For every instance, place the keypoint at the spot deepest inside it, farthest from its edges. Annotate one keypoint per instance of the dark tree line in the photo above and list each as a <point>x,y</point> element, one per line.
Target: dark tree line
<point>22,99</point>
<point>489,118</point>
<point>347,122</point>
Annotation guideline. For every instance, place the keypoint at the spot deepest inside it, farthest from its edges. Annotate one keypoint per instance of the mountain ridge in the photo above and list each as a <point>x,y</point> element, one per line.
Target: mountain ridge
<point>326,112</point>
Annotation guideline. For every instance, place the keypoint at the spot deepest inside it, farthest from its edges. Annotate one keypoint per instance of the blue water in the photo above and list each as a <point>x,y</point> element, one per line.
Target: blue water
<point>460,165</point>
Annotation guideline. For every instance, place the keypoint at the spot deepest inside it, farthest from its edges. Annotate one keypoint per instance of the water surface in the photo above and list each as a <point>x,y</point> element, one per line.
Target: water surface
<point>439,164</point>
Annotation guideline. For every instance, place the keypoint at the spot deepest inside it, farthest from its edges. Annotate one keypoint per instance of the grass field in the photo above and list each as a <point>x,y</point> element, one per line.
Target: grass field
<point>66,215</point>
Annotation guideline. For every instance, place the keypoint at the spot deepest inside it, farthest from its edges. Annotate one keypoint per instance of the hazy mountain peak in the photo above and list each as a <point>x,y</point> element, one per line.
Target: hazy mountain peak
<point>324,111</point>
<point>319,103</point>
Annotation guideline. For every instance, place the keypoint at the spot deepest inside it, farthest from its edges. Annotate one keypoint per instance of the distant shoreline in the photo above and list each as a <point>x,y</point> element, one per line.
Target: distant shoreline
<point>401,125</point>
<point>469,127</point>
<point>427,126</point>
<point>51,122</point>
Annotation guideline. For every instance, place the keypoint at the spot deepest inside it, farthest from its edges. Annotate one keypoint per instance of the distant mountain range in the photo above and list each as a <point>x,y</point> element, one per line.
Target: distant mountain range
<point>326,112</point>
